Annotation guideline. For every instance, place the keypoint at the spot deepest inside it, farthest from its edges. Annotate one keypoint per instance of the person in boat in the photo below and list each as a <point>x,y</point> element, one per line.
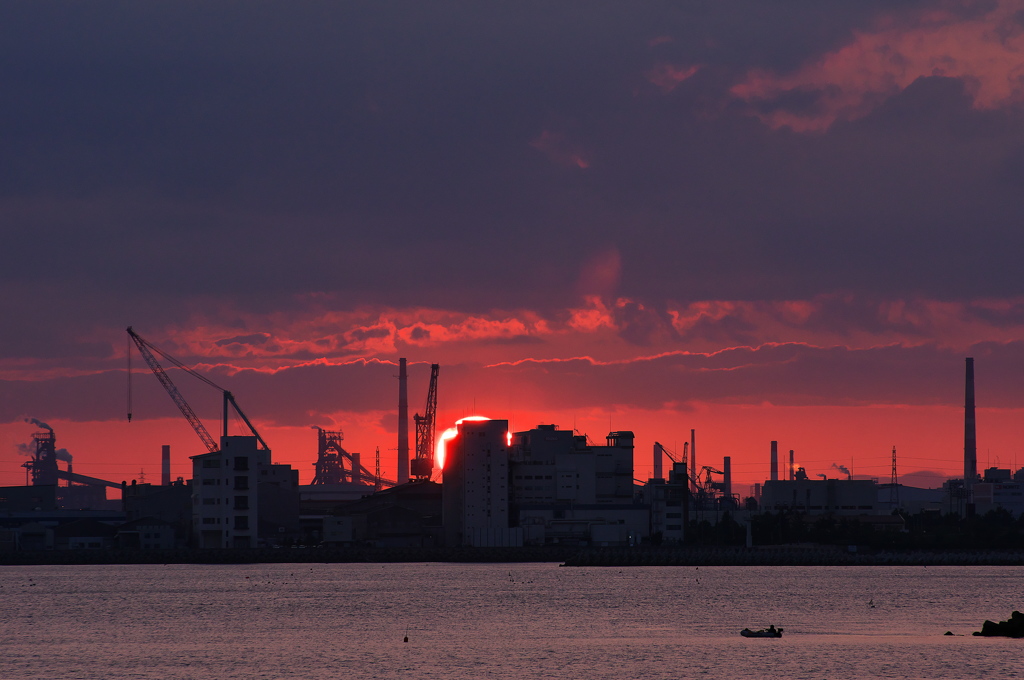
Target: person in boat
<point>771,628</point>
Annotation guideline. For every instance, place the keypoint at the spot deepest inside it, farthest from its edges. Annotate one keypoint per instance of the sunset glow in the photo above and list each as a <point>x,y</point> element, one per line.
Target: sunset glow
<point>449,434</point>
<point>759,223</point>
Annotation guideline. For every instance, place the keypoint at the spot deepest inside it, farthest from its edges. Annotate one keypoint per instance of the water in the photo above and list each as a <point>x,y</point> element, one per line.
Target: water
<point>516,621</point>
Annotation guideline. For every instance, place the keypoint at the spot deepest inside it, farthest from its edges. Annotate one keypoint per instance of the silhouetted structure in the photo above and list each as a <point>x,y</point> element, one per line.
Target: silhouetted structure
<point>403,422</point>
<point>970,433</point>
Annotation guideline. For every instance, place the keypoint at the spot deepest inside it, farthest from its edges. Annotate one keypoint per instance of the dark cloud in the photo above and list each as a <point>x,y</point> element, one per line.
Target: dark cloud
<point>164,161</point>
<point>785,375</point>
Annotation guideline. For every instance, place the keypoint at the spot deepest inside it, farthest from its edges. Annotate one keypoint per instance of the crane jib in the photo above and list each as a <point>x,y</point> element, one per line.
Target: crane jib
<point>146,349</point>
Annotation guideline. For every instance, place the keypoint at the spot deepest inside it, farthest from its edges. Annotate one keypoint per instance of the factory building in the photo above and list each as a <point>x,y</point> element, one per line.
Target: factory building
<point>668,501</point>
<point>568,491</point>
<point>845,497</point>
<point>475,502</point>
<point>239,496</point>
<point>1000,489</point>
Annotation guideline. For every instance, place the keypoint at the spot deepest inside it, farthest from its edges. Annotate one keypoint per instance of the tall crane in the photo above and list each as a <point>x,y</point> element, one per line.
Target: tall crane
<point>147,349</point>
<point>423,465</point>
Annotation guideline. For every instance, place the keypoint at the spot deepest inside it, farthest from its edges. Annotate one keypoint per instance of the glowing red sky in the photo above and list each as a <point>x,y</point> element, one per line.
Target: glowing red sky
<point>759,222</point>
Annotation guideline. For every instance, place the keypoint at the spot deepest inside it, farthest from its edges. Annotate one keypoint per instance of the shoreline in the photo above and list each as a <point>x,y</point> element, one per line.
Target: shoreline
<point>565,556</point>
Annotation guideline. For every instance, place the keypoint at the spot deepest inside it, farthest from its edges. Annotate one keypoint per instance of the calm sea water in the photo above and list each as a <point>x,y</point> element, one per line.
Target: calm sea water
<point>503,621</point>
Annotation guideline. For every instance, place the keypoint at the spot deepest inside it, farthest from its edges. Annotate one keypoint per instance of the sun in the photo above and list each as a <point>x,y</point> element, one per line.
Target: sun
<point>450,433</point>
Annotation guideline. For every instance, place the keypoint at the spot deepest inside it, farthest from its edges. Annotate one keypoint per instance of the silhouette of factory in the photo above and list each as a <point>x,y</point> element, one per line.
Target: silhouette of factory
<point>543,486</point>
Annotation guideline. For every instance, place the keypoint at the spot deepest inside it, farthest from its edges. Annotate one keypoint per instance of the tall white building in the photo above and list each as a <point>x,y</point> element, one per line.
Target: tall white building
<point>224,494</point>
<point>475,487</point>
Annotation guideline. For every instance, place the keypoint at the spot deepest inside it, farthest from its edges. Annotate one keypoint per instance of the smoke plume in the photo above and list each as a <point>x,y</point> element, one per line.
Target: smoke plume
<point>39,423</point>
<point>843,469</point>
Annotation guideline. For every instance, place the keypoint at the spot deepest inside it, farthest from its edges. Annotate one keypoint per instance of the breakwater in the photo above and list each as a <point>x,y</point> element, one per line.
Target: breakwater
<point>799,555</point>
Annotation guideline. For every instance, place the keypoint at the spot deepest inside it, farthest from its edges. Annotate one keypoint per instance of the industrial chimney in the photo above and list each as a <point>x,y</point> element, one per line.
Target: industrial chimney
<point>792,468</point>
<point>970,434</point>
<point>165,465</point>
<point>657,461</point>
<point>775,462</point>
<point>727,474</point>
<point>403,423</point>
<point>694,472</point>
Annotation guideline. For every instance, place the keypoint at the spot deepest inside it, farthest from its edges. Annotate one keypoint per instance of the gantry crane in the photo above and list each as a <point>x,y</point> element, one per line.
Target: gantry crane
<point>423,464</point>
<point>147,349</point>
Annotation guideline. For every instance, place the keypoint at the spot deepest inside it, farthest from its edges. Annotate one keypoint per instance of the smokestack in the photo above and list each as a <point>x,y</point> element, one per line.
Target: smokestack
<point>165,465</point>
<point>403,423</point>
<point>970,434</point>
<point>693,458</point>
<point>657,461</point>
<point>792,470</point>
<point>775,462</point>
<point>727,481</point>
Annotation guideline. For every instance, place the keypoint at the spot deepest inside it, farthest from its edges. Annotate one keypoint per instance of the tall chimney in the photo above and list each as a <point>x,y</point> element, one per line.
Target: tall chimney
<point>970,434</point>
<point>792,469</point>
<point>727,481</point>
<point>775,462</point>
<point>657,461</point>
<point>165,465</point>
<point>403,423</point>
<point>694,471</point>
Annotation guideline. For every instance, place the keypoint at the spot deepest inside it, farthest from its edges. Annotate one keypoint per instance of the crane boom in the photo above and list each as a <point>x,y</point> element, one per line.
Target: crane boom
<point>168,384</point>
<point>147,349</point>
<point>423,464</point>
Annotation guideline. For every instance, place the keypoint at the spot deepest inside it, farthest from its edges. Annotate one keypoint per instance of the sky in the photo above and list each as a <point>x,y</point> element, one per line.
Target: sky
<point>760,221</point>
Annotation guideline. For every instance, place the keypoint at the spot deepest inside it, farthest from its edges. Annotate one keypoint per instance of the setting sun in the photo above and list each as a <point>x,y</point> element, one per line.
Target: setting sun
<point>450,433</point>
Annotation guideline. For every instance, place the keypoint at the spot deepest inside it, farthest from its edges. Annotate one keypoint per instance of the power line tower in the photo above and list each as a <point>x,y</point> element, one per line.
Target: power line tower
<point>894,485</point>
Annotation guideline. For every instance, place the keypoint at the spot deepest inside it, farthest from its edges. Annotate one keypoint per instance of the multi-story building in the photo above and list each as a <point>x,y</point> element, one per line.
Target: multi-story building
<point>237,492</point>
<point>475,502</point>
<point>566,490</point>
<point>999,488</point>
<point>668,503</point>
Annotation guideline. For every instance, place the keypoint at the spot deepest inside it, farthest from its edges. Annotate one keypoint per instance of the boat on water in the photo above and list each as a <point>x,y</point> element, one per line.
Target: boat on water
<point>769,632</point>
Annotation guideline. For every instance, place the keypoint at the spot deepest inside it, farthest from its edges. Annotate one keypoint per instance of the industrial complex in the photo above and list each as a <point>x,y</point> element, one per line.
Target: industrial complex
<point>542,486</point>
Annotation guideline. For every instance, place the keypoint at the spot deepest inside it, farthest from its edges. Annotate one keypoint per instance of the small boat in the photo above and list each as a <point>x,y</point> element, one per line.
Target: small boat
<point>769,632</point>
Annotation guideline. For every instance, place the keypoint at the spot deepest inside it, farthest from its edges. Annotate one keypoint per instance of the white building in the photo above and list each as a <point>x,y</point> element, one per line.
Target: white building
<point>224,493</point>
<point>999,488</point>
<point>475,488</point>
<point>566,490</point>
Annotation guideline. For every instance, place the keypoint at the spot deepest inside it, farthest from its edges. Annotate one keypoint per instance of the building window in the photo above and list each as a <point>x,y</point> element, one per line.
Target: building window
<point>241,522</point>
<point>209,520</point>
<point>241,463</point>
<point>241,483</point>
<point>241,502</point>
<point>211,482</point>
<point>209,501</point>
<point>211,463</point>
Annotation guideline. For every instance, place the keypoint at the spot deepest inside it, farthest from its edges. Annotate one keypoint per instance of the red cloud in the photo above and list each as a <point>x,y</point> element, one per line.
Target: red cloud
<point>667,76</point>
<point>561,150</point>
<point>987,52</point>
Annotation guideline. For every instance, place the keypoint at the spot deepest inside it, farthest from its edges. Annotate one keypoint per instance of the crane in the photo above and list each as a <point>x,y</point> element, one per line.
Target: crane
<point>423,464</point>
<point>147,349</point>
